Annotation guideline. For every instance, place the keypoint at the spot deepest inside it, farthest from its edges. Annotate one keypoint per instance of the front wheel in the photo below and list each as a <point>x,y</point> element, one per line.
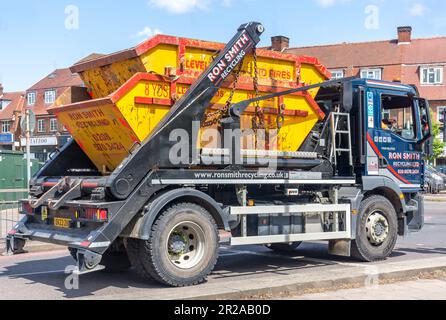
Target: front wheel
<point>182,249</point>
<point>376,231</point>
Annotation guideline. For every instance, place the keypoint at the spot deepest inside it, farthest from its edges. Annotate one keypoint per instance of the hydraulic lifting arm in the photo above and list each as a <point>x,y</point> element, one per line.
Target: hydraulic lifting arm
<point>187,112</point>
<point>238,109</point>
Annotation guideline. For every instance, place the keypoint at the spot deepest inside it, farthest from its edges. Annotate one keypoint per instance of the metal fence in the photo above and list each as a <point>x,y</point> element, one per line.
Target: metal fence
<point>9,210</point>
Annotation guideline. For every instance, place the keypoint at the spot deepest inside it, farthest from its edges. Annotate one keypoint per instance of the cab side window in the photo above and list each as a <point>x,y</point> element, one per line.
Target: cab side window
<point>398,116</point>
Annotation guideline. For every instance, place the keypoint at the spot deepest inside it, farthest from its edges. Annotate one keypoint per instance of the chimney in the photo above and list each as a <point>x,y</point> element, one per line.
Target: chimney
<point>404,35</point>
<point>1,89</point>
<point>279,43</point>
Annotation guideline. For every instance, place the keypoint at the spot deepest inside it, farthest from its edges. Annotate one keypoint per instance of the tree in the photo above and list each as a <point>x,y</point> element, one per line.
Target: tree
<point>438,145</point>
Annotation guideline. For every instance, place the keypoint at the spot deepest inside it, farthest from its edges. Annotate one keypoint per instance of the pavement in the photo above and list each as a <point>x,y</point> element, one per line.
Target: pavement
<point>242,273</point>
<point>33,247</point>
<point>441,197</point>
<point>423,289</point>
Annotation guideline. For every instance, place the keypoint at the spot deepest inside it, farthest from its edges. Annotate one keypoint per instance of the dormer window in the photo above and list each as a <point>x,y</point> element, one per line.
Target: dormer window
<point>50,96</point>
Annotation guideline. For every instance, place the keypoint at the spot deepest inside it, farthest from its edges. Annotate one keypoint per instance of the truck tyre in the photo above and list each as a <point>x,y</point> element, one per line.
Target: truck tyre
<point>115,259</point>
<point>132,246</point>
<point>182,249</point>
<point>284,247</point>
<point>376,231</point>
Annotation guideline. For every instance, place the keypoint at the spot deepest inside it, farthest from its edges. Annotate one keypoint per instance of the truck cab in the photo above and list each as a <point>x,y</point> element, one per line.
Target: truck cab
<point>396,124</point>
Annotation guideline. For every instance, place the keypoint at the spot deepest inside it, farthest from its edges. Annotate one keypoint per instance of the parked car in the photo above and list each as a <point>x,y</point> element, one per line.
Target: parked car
<point>434,182</point>
<point>443,176</point>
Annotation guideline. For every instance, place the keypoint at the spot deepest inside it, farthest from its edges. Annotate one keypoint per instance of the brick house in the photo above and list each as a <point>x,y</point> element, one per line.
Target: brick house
<point>411,61</point>
<point>59,87</point>
<point>11,106</point>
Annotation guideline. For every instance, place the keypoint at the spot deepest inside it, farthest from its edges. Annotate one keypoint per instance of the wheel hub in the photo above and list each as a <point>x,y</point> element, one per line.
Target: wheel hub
<point>185,247</point>
<point>377,228</point>
<point>178,244</point>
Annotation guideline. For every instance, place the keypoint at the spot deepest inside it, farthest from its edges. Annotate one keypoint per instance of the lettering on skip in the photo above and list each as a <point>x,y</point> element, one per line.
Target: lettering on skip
<point>97,119</point>
<point>89,119</point>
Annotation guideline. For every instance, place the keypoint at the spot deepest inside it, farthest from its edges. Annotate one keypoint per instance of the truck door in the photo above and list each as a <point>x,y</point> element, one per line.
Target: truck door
<point>394,140</point>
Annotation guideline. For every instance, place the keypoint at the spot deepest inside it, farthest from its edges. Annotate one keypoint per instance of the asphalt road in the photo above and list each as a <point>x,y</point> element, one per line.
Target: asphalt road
<point>42,275</point>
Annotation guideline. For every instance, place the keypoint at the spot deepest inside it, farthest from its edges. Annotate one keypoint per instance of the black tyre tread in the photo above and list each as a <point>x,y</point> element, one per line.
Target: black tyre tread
<point>115,262</point>
<point>146,249</point>
<point>133,248</point>
<point>356,251</point>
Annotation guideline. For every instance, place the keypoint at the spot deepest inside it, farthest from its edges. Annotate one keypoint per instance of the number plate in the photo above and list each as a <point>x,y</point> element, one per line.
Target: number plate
<point>62,223</point>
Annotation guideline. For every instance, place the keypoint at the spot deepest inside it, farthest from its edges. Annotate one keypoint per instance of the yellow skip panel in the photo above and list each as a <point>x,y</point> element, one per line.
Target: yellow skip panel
<point>167,55</point>
<point>108,128</point>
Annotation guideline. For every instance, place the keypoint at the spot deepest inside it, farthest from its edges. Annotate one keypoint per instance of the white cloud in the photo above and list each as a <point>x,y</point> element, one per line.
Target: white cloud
<point>417,10</point>
<point>180,6</point>
<point>147,32</point>
<point>330,3</point>
<point>325,3</point>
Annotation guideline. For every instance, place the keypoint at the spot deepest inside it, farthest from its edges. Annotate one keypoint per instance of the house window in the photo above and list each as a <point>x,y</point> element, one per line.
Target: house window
<point>6,126</point>
<point>337,74</point>
<point>41,125</point>
<point>431,75</point>
<point>53,125</point>
<point>4,104</point>
<point>375,74</point>
<point>440,114</point>
<point>31,97</point>
<point>50,96</point>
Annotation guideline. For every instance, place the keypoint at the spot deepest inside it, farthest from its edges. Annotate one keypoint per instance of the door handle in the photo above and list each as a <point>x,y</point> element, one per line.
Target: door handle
<point>383,163</point>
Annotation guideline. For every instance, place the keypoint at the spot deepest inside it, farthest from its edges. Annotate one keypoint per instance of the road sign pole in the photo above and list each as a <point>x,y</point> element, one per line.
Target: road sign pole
<point>28,148</point>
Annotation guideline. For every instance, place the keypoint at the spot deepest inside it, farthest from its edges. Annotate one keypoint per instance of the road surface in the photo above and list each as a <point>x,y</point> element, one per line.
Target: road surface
<point>42,275</point>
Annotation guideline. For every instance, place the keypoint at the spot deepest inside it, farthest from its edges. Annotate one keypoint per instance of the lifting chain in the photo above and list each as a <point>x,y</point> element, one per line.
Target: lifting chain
<point>280,121</point>
<point>214,118</point>
<point>258,122</point>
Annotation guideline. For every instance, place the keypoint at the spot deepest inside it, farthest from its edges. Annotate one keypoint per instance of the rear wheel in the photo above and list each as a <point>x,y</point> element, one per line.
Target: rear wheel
<point>284,247</point>
<point>182,249</point>
<point>377,230</point>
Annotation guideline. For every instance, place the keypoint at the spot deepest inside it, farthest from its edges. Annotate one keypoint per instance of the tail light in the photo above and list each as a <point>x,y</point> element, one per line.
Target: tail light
<point>27,209</point>
<point>95,214</point>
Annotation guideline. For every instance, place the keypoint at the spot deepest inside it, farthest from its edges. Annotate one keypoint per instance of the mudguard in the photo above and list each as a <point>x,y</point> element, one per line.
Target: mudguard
<point>141,227</point>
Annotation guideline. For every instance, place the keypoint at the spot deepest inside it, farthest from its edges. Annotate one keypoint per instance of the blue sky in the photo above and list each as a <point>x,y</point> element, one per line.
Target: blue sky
<point>38,36</point>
